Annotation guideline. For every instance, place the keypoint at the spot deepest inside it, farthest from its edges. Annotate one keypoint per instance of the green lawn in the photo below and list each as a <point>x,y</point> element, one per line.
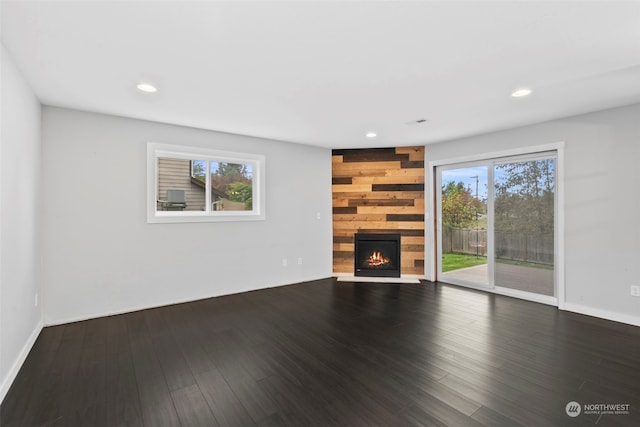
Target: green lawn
<point>457,261</point>
<point>452,262</point>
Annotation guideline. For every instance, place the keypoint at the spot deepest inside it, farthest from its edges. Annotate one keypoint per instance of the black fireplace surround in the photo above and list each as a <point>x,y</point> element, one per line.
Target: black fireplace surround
<point>377,255</point>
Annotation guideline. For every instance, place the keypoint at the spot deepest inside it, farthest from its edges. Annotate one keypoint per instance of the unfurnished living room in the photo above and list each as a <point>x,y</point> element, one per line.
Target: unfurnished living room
<point>322,213</point>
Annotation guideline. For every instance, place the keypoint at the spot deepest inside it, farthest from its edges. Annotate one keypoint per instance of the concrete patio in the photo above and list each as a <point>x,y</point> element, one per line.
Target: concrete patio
<point>523,278</point>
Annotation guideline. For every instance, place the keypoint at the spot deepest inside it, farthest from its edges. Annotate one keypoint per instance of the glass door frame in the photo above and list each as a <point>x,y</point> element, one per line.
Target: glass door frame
<point>438,216</point>
<point>434,232</point>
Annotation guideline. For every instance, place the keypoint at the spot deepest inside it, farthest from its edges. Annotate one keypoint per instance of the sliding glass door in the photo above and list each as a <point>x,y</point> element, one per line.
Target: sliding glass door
<point>524,225</point>
<point>463,231</point>
<point>497,223</point>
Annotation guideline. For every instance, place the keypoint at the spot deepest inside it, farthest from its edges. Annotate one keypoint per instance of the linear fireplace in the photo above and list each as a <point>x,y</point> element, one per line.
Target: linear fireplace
<point>377,255</point>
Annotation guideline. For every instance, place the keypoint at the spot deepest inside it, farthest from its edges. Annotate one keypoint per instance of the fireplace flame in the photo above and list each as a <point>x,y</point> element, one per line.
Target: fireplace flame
<point>376,259</point>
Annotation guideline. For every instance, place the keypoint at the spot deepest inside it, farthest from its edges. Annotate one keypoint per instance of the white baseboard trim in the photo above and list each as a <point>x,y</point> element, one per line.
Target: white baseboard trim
<point>602,314</point>
<point>132,309</point>
<point>17,364</point>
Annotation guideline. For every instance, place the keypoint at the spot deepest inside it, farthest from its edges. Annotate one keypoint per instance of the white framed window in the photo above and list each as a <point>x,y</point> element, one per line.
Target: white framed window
<point>192,184</point>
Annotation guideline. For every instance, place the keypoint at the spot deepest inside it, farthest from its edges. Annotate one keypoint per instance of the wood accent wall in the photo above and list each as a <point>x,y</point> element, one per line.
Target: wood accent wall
<point>379,190</point>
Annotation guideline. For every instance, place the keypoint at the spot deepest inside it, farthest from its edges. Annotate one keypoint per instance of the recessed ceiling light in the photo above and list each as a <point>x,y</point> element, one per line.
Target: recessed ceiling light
<point>146,87</point>
<point>521,92</point>
<point>371,135</point>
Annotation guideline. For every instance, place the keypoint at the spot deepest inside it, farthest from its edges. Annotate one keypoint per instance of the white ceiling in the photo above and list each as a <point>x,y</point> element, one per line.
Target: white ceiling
<point>326,72</point>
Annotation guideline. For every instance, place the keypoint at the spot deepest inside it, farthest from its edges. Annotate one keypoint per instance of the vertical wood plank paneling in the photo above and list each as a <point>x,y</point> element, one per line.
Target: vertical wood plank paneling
<point>379,190</point>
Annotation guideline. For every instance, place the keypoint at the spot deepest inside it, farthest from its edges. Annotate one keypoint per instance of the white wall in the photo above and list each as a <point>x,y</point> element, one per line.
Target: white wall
<point>602,205</point>
<point>100,256</point>
<point>20,319</point>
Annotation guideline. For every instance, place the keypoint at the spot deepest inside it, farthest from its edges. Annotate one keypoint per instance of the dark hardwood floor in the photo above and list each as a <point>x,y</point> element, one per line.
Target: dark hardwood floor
<point>324,353</point>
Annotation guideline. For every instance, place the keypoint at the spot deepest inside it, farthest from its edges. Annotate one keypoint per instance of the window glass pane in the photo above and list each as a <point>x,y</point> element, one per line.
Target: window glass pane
<point>231,186</point>
<point>524,225</point>
<point>464,224</point>
<point>181,185</point>
<point>199,170</point>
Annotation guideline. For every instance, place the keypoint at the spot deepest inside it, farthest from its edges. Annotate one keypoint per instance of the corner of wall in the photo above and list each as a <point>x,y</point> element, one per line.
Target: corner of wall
<point>17,364</point>
<point>20,194</point>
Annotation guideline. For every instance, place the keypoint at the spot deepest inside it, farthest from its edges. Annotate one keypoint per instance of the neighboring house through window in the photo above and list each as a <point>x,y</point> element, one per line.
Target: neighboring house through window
<point>188,184</point>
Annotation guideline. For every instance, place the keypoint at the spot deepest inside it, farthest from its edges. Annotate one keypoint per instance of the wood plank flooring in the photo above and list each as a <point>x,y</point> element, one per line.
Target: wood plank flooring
<point>324,353</point>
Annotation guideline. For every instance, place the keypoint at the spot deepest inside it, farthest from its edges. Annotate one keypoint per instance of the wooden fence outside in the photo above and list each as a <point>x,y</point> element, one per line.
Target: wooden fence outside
<point>512,246</point>
<point>464,241</point>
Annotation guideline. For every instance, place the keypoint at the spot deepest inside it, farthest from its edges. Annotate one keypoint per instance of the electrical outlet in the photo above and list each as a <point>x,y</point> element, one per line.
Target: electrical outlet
<point>299,261</point>
<point>318,215</point>
<point>635,291</point>
<point>35,303</point>
<point>284,262</point>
